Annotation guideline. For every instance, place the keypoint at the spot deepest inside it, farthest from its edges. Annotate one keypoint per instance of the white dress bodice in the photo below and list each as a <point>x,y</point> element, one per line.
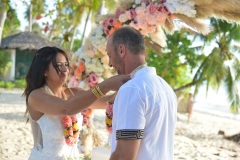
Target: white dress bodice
<point>49,141</point>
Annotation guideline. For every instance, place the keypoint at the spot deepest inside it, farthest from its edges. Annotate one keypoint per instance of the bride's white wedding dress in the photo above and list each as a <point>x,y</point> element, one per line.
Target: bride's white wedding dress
<point>49,141</point>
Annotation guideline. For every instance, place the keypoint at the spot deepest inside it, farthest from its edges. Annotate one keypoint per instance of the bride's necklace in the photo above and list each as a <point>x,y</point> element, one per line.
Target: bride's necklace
<point>63,96</point>
<point>137,69</point>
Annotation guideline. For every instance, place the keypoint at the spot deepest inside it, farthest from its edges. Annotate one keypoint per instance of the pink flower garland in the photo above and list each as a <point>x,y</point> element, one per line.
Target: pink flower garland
<point>71,130</point>
<point>109,115</point>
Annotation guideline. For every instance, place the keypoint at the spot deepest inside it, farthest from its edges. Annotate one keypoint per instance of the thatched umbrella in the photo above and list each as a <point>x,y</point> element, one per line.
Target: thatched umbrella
<point>22,41</point>
<point>25,40</point>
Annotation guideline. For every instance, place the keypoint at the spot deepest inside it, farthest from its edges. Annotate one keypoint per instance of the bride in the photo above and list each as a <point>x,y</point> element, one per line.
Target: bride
<point>52,108</point>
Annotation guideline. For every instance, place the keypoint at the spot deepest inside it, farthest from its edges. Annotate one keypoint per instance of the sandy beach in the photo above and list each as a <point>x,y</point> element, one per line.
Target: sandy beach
<point>198,140</point>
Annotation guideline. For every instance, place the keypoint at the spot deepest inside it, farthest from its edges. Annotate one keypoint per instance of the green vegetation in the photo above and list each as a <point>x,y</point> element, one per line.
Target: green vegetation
<point>5,62</point>
<point>13,84</point>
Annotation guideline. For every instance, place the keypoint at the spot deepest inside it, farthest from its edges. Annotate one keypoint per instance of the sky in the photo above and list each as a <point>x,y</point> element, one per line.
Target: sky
<point>20,8</point>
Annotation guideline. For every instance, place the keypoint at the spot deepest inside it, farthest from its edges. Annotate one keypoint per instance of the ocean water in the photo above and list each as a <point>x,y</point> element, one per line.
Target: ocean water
<point>214,102</point>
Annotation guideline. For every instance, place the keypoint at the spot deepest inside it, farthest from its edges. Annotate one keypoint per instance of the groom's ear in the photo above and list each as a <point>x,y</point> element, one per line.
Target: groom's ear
<point>121,50</point>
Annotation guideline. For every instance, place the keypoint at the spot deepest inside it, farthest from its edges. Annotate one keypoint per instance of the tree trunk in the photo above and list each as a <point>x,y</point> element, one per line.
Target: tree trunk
<point>3,16</point>
<point>72,40</point>
<point>187,85</point>
<point>30,18</point>
<point>51,32</point>
<point>85,26</point>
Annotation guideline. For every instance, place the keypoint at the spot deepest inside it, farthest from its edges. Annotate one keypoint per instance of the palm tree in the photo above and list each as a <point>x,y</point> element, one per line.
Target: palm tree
<point>3,14</point>
<point>34,8</point>
<point>221,66</point>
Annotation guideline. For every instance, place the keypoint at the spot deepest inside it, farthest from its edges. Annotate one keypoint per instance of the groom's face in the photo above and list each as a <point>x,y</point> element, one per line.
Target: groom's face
<point>115,60</point>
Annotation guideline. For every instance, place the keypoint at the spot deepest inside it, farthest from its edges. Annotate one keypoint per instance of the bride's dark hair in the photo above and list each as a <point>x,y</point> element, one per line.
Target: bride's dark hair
<point>35,77</point>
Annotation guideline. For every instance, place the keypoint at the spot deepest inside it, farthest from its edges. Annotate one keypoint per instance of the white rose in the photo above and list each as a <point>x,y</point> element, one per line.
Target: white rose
<point>123,18</point>
<point>138,1</point>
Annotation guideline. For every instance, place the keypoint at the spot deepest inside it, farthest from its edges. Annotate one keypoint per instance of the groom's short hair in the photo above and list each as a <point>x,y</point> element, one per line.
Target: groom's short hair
<point>130,38</point>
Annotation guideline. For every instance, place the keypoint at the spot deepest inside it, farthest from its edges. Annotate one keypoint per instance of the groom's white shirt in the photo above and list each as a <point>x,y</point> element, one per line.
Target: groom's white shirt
<point>146,103</point>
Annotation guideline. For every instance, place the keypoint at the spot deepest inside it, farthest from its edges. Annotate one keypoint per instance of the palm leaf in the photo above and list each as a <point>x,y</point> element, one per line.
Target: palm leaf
<point>233,94</point>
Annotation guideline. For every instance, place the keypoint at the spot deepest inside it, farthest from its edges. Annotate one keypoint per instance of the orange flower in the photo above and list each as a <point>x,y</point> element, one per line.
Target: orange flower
<point>112,30</point>
<point>87,112</point>
<point>80,69</point>
<point>117,24</point>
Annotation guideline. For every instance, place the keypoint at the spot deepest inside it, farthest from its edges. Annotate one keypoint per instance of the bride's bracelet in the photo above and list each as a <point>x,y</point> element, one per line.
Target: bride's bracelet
<point>97,92</point>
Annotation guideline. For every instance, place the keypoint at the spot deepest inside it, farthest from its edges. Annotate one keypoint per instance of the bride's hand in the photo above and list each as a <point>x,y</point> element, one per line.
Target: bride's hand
<point>114,83</point>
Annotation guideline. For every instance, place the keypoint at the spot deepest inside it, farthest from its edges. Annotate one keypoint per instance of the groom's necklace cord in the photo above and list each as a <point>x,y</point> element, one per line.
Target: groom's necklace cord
<point>137,69</point>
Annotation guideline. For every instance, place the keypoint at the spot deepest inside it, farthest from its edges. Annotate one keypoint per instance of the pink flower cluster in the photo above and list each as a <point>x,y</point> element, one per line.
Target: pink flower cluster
<point>146,16</point>
<point>109,115</point>
<point>71,131</point>
<point>92,80</point>
<point>87,113</point>
<point>110,25</point>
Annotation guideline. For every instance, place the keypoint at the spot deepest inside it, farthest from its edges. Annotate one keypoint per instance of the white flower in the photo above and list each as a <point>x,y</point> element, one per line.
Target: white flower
<point>181,6</point>
<point>138,1</point>
<point>105,59</point>
<point>123,18</point>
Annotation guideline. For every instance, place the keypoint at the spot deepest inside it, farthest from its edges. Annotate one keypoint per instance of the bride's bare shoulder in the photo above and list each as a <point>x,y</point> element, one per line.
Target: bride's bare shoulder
<point>37,92</point>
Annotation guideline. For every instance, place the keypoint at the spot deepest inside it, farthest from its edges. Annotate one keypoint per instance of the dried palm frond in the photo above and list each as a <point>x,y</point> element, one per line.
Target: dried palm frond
<point>124,5</point>
<point>100,18</point>
<point>230,17</point>
<point>169,26</point>
<point>204,11</point>
<point>202,2</point>
<point>222,9</point>
<point>194,23</point>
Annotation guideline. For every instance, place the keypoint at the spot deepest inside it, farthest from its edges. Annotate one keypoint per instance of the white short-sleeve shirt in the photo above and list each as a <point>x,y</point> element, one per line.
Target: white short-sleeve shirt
<point>146,108</point>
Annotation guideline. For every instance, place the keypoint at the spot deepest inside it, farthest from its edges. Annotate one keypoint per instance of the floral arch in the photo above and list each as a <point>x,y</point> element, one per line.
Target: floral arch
<point>153,18</point>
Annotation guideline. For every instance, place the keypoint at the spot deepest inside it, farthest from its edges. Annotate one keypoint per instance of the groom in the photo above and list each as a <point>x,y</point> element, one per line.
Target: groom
<point>145,108</point>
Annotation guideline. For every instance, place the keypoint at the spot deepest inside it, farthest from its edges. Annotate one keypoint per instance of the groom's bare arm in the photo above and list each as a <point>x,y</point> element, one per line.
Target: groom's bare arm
<point>126,149</point>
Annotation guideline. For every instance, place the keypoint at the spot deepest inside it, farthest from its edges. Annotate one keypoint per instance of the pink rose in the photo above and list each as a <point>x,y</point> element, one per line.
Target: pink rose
<point>84,112</point>
<point>159,7</point>
<point>106,31</point>
<point>110,21</point>
<point>76,135</point>
<point>73,82</point>
<point>134,25</point>
<point>105,24</point>
<point>109,129</point>
<point>133,13</point>
<point>85,121</point>
<point>66,121</point>
<point>140,10</point>
<point>92,80</point>
<point>117,12</point>
<point>74,118</point>
<point>70,131</point>
<point>128,15</point>
<point>70,141</point>
<point>151,8</point>
<point>109,110</point>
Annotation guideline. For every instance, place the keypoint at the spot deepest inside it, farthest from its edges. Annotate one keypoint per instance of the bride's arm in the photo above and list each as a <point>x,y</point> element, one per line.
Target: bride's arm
<point>100,103</point>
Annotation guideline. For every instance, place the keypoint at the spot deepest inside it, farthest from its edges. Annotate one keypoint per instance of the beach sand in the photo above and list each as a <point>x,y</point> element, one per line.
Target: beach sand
<point>198,140</point>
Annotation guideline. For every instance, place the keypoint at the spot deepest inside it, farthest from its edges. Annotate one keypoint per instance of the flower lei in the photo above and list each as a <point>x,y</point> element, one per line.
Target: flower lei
<point>109,115</point>
<point>71,130</point>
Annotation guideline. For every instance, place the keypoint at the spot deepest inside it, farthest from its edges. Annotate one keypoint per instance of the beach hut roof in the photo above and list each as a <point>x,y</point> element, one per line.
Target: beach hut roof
<point>25,40</point>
